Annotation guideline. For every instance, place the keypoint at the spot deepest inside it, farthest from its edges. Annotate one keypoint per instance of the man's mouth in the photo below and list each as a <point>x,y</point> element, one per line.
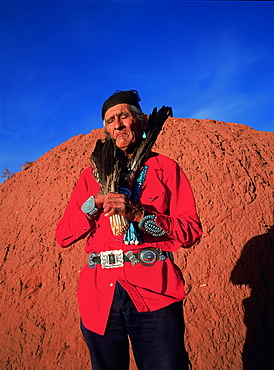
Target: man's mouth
<point>120,135</point>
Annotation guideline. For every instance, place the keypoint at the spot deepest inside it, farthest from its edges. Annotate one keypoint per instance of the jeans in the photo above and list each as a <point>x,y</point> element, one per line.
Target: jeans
<point>157,337</point>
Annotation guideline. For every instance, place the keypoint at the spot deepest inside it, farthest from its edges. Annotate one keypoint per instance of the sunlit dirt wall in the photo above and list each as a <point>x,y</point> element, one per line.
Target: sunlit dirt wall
<point>229,274</point>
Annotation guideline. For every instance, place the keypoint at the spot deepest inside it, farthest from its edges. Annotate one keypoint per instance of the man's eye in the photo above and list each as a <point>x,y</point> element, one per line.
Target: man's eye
<point>124,115</point>
<point>110,120</point>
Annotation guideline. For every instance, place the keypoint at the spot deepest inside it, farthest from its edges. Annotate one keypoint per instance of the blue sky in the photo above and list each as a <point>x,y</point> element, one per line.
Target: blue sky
<point>62,59</point>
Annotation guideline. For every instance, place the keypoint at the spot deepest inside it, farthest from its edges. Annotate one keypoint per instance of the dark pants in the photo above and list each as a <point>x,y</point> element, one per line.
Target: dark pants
<point>157,337</point>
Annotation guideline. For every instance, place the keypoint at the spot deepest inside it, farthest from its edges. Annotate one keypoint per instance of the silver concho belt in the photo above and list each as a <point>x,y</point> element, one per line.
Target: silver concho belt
<point>117,258</point>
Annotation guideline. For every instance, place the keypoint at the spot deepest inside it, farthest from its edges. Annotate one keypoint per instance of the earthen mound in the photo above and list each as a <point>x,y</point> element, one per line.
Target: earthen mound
<point>229,274</point>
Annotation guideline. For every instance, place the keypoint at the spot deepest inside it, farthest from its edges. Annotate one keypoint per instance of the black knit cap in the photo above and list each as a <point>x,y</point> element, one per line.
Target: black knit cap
<point>119,97</point>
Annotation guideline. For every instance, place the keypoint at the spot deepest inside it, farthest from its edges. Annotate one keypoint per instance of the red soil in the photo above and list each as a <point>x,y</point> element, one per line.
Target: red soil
<point>229,274</point>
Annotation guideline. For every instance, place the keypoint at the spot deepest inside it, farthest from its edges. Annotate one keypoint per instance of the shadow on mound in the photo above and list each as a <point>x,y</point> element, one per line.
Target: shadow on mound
<point>255,268</point>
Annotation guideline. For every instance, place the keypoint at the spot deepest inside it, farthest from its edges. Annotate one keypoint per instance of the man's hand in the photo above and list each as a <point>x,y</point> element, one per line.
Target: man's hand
<point>116,203</point>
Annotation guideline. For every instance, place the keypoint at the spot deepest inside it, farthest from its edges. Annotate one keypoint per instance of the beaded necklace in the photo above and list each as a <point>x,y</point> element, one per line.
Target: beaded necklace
<point>133,235</point>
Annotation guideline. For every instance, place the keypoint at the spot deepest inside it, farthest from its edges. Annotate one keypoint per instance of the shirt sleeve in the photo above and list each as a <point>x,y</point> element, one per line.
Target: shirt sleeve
<point>74,224</point>
<point>180,221</point>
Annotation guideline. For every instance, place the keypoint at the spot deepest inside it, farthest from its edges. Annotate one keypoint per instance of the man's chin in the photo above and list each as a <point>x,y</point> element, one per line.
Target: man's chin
<point>121,143</point>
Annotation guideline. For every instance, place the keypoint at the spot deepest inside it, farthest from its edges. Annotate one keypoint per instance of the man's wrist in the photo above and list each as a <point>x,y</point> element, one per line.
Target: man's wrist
<point>139,215</point>
<point>99,200</point>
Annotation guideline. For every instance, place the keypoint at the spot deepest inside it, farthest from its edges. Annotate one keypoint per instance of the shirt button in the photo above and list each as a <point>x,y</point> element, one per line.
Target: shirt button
<point>111,284</point>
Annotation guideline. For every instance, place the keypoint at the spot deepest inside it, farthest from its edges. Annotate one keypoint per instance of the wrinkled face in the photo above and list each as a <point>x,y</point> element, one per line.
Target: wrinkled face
<point>123,126</point>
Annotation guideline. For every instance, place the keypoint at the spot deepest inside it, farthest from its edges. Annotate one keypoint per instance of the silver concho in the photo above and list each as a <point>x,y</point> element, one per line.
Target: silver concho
<point>148,256</point>
<point>91,263</point>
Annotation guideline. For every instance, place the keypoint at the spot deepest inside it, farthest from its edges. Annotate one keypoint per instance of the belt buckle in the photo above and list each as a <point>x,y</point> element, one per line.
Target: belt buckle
<point>112,259</point>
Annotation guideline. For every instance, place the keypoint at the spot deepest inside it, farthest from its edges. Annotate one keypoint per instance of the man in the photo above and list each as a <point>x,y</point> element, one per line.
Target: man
<point>131,286</point>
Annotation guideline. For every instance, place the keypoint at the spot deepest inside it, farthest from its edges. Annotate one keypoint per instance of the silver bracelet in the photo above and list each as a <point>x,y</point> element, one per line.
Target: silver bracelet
<point>89,206</point>
<point>148,225</point>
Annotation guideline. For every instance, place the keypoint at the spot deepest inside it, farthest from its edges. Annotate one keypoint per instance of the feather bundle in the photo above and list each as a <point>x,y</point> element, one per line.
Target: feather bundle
<point>155,124</point>
<point>106,166</point>
<point>106,170</point>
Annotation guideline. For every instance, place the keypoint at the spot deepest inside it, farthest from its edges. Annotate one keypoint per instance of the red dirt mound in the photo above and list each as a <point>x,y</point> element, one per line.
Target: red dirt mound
<point>229,274</point>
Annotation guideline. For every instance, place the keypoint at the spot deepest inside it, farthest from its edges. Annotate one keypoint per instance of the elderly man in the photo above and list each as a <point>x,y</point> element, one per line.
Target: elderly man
<point>130,287</point>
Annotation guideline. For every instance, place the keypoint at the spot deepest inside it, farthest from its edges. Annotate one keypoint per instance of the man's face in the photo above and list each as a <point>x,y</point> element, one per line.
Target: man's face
<point>123,126</point>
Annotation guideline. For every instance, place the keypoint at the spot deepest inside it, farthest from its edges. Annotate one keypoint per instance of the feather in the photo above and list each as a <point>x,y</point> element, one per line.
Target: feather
<point>106,170</point>
<point>106,166</point>
<point>155,124</point>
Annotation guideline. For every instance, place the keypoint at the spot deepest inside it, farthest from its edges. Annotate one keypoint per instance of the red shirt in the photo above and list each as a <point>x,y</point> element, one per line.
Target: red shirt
<point>166,193</point>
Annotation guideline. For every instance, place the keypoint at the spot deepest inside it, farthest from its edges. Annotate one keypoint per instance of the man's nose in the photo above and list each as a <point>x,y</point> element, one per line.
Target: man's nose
<point>118,123</point>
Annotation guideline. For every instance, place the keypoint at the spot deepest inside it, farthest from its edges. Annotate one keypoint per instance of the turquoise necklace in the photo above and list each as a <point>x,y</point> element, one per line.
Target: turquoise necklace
<point>133,235</point>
